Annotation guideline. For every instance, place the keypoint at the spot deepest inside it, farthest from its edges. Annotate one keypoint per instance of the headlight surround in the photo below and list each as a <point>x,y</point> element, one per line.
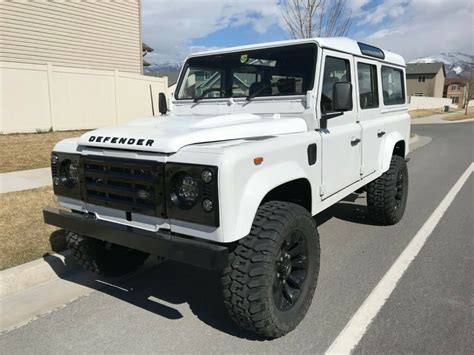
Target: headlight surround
<point>192,193</point>
<point>65,169</point>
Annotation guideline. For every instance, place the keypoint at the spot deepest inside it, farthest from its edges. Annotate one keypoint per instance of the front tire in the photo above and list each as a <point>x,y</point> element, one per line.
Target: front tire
<point>104,258</point>
<point>387,195</point>
<point>270,281</point>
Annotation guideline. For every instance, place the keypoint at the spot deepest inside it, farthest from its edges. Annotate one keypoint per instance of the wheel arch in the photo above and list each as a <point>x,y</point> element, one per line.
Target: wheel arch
<point>393,144</point>
<point>296,191</point>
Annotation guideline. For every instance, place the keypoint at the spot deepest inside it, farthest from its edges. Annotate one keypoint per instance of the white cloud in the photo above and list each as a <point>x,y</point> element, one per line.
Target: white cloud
<point>170,26</point>
<point>382,34</point>
<point>385,10</point>
<point>413,28</point>
<point>426,27</point>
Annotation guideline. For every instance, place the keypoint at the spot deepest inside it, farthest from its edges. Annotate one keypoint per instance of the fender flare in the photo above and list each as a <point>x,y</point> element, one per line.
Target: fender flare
<point>257,187</point>
<point>386,149</point>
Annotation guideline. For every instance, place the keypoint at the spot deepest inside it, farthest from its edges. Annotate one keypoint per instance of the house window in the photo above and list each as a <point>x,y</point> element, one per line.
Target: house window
<point>368,93</point>
<point>421,78</point>
<point>418,94</point>
<point>455,99</point>
<point>393,86</point>
<point>454,87</point>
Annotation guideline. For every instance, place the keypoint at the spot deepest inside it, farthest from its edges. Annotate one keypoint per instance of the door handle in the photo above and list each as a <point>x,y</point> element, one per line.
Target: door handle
<point>380,134</point>
<point>355,141</point>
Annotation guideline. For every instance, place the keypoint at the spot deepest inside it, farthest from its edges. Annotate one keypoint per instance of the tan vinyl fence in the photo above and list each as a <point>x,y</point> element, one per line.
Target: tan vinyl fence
<point>37,97</point>
<point>426,102</point>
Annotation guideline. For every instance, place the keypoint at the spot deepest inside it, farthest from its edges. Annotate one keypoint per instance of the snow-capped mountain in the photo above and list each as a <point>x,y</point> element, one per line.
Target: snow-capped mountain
<point>456,64</point>
<point>165,67</point>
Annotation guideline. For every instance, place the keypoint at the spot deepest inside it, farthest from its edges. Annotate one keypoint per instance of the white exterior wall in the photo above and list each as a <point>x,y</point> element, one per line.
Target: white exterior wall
<point>424,102</point>
<point>42,97</point>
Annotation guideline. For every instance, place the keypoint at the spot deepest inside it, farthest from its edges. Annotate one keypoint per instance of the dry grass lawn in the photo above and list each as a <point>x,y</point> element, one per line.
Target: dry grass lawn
<point>23,235</point>
<point>29,151</point>
<point>425,113</point>
<point>460,116</point>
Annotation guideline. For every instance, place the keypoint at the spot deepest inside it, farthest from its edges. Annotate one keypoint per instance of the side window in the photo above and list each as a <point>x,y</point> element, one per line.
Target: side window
<point>368,93</point>
<point>335,70</point>
<point>392,86</point>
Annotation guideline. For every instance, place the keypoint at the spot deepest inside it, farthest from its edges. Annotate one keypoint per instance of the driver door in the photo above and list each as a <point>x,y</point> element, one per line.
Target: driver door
<point>340,131</point>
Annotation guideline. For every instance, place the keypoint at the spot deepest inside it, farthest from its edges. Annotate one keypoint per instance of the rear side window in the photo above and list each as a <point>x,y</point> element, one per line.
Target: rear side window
<point>335,70</point>
<point>368,93</point>
<point>392,86</point>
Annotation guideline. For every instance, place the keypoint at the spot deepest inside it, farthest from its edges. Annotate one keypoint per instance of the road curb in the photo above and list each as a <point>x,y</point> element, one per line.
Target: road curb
<point>413,139</point>
<point>36,272</point>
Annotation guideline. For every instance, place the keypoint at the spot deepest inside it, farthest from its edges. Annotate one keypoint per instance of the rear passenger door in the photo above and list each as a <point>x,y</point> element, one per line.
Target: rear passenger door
<point>369,115</point>
<point>341,134</point>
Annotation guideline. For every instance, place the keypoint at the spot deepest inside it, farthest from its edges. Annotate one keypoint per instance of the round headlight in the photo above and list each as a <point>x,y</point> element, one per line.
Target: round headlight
<point>185,190</point>
<point>69,173</point>
<point>206,176</point>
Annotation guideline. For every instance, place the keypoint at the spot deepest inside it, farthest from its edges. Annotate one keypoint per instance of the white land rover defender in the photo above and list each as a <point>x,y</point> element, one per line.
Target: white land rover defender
<point>257,141</point>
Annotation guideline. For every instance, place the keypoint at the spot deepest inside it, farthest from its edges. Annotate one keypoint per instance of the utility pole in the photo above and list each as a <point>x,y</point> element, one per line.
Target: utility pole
<point>469,90</point>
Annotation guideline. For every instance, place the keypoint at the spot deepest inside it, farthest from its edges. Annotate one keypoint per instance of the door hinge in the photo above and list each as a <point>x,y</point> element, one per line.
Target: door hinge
<point>322,190</point>
<point>361,170</point>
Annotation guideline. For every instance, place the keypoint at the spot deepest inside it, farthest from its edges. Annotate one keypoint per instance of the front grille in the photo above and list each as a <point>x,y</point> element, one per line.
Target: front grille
<point>129,185</point>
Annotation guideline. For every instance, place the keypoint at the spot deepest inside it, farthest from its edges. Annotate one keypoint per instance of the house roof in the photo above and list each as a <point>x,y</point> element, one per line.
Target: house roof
<point>460,81</point>
<point>424,68</point>
<point>146,48</point>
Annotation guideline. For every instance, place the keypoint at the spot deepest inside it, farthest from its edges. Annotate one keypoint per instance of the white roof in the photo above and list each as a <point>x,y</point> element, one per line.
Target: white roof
<point>341,44</point>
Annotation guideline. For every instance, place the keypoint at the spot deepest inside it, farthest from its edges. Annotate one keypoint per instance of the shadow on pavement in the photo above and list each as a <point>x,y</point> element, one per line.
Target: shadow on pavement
<point>156,287</point>
<point>352,208</point>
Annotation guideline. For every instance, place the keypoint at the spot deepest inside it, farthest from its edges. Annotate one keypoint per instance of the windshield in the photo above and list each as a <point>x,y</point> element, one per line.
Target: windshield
<point>275,71</point>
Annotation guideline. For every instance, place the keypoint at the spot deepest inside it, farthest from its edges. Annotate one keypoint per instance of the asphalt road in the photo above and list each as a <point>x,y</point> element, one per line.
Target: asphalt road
<point>177,308</point>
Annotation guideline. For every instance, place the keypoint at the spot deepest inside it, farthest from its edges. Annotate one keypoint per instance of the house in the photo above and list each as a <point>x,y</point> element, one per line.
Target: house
<point>425,79</point>
<point>99,35</point>
<point>457,90</point>
<point>67,65</point>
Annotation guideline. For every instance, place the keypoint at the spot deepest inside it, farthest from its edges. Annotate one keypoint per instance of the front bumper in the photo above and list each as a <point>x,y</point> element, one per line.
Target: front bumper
<point>166,244</point>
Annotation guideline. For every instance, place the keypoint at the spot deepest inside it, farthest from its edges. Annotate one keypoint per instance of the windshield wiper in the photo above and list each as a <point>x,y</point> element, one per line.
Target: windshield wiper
<point>207,91</point>
<point>259,91</point>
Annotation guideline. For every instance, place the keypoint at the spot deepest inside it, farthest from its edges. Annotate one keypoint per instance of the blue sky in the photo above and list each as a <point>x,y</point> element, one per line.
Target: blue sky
<point>413,28</point>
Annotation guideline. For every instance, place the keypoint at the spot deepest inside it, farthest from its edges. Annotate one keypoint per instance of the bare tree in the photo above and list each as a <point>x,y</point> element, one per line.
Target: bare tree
<point>316,18</point>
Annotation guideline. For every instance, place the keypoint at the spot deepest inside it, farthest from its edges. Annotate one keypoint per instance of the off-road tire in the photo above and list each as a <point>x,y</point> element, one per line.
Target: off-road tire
<point>249,280</point>
<point>387,195</point>
<point>102,257</point>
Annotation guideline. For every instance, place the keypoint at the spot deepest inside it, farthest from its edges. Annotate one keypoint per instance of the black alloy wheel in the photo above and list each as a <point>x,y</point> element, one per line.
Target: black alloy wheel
<point>290,271</point>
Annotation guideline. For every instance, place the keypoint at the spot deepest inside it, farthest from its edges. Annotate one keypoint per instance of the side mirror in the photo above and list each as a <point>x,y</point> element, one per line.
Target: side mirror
<point>342,96</point>
<point>162,104</point>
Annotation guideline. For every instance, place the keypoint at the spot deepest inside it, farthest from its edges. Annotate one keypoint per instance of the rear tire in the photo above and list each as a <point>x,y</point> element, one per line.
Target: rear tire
<point>270,281</point>
<point>387,195</point>
<point>104,258</point>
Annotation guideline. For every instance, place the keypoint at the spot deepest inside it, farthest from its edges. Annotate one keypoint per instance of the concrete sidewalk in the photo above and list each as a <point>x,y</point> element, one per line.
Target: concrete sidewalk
<point>438,119</point>
<point>25,180</point>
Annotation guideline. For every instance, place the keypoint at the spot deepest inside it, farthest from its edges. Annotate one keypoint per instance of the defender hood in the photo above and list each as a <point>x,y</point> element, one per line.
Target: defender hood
<point>171,133</point>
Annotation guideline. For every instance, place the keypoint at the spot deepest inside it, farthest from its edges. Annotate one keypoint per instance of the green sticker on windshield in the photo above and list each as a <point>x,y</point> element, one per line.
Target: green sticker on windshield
<point>244,58</point>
